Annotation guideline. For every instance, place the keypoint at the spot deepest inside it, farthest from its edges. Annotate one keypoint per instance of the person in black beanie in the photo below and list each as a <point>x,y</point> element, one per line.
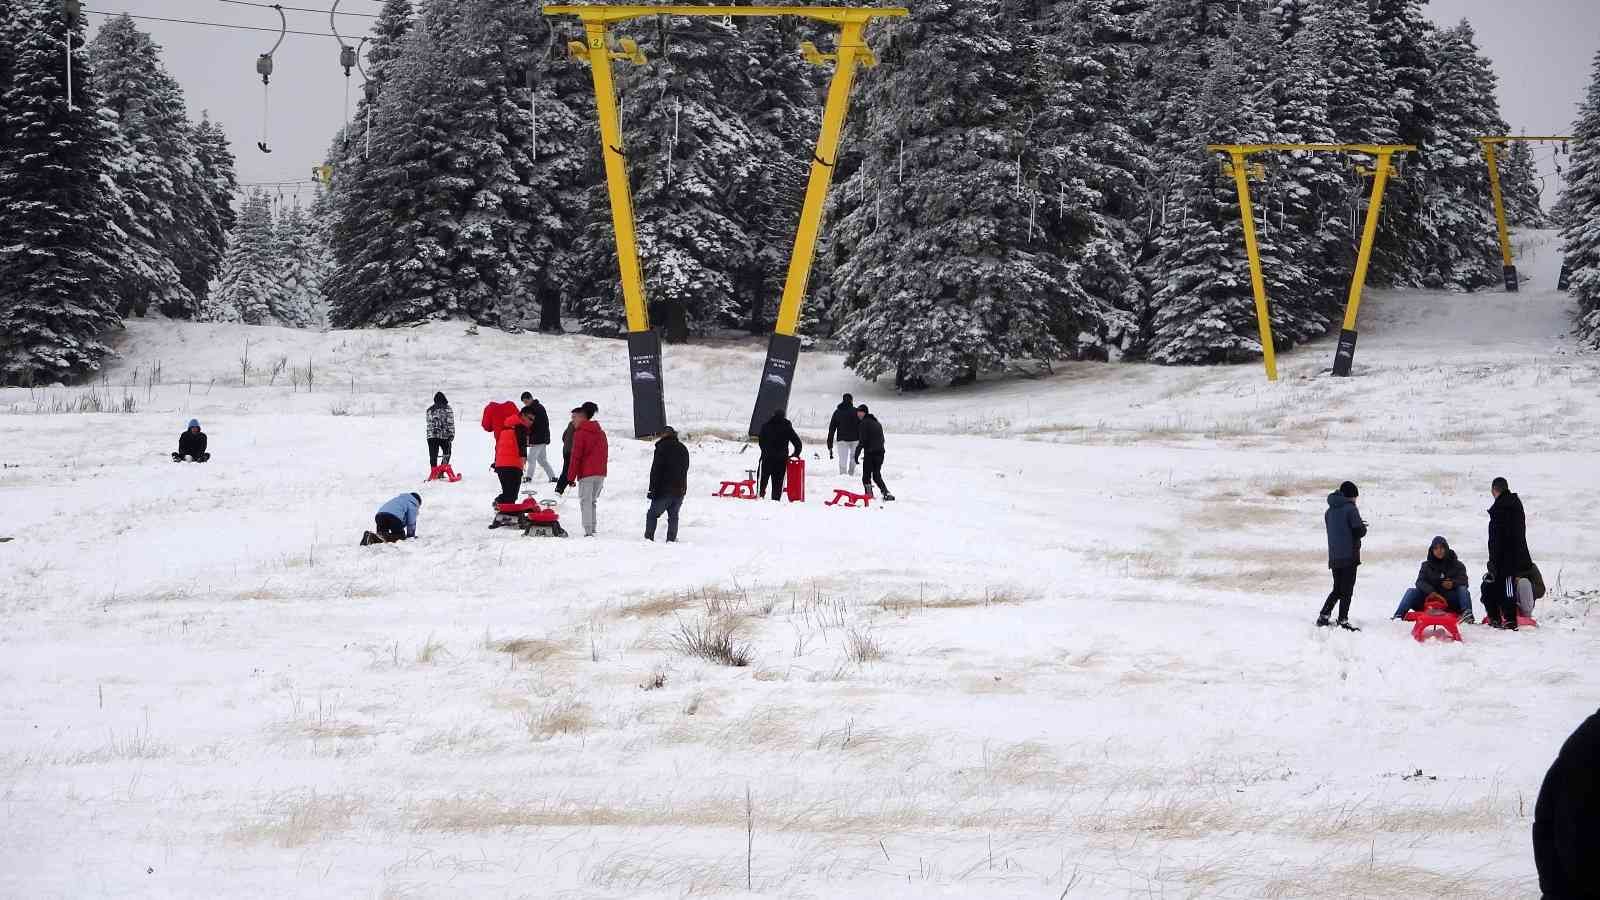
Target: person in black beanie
<point>1566,819</point>
<point>1345,531</point>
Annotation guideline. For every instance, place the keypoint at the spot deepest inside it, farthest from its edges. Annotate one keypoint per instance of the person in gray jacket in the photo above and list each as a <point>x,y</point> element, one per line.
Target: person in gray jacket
<point>1345,531</point>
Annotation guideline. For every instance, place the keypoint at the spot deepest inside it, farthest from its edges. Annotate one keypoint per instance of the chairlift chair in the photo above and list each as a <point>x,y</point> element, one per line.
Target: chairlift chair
<point>264,69</point>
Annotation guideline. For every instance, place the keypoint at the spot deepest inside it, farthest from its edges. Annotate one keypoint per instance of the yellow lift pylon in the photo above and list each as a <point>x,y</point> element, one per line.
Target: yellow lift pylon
<point>1491,156</point>
<point>1239,156</point>
<point>644,345</point>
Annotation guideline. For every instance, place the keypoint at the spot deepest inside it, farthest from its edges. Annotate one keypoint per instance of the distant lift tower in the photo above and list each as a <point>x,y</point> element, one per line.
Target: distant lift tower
<point>644,345</point>
<point>1239,167</point>
<point>1491,155</point>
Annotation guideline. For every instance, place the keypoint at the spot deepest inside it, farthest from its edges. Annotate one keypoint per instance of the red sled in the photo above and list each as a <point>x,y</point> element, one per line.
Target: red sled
<point>849,499</point>
<point>1435,614</point>
<point>1522,621</point>
<point>794,481</point>
<point>443,473</point>
<point>739,490</point>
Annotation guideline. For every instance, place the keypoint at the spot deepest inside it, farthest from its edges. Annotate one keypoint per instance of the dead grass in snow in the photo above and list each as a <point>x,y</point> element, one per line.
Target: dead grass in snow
<point>298,819</point>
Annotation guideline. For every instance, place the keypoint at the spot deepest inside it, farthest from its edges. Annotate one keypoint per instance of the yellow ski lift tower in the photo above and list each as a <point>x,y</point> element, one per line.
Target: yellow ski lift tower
<point>1491,155</point>
<point>1240,168</point>
<point>644,345</point>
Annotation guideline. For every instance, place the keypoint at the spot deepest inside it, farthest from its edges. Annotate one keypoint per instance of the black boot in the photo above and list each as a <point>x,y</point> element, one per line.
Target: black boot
<point>1345,624</point>
<point>1323,622</point>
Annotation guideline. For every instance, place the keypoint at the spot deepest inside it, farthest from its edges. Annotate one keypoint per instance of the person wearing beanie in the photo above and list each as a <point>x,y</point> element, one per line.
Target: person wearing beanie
<point>192,444</point>
<point>774,440</point>
<point>872,452</point>
<point>669,484</point>
<point>1443,574</point>
<point>587,465</point>
<point>1345,531</point>
<point>397,519</point>
<point>441,421</point>
<point>847,428</point>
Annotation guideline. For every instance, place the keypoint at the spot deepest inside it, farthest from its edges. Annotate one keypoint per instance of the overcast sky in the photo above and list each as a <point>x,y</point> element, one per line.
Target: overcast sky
<point>1542,50</point>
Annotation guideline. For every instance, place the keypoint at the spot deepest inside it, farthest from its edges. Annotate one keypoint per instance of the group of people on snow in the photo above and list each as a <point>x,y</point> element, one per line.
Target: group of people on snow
<point>859,437</point>
<point>1510,585</point>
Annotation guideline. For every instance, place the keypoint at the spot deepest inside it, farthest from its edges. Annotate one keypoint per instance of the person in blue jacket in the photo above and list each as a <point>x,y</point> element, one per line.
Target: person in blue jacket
<point>1345,531</point>
<point>397,519</point>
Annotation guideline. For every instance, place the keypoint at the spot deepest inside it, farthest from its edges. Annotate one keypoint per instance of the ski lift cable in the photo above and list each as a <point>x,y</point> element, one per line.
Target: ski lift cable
<point>304,9</point>
<point>285,31</point>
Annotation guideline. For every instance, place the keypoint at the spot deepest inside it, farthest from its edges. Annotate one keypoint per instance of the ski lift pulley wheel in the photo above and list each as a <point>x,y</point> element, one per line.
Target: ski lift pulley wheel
<point>347,58</point>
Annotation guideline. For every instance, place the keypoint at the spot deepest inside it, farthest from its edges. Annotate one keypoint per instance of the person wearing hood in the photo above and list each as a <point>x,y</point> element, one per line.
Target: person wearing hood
<point>588,465</point>
<point>1345,531</point>
<point>847,428</point>
<point>1510,563</point>
<point>397,519</point>
<point>1443,574</point>
<point>872,452</point>
<point>1566,819</point>
<point>669,483</point>
<point>774,441</point>
<point>192,444</point>
<point>441,430</point>
<point>508,460</point>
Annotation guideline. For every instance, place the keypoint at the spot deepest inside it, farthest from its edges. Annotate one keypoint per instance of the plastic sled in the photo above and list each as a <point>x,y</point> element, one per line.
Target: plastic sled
<point>849,499</point>
<point>443,473</point>
<point>794,481</point>
<point>1522,621</point>
<point>738,490</point>
<point>1435,614</point>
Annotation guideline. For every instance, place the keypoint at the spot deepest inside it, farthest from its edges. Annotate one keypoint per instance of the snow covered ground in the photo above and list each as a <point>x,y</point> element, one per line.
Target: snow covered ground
<point>1076,658</point>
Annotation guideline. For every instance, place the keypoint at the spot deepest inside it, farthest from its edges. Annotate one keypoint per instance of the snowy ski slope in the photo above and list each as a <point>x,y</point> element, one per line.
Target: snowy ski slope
<point>1075,659</point>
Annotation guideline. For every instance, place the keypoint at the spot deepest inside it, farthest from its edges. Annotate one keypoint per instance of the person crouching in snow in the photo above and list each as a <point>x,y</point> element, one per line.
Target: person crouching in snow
<point>1345,531</point>
<point>397,519</point>
<point>192,444</point>
<point>508,458</point>
<point>1443,574</point>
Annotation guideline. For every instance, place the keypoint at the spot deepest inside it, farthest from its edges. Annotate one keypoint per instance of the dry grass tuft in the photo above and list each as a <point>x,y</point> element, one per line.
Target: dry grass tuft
<point>654,607</point>
<point>527,649</point>
<point>557,718</point>
<point>861,646</point>
<point>711,641</point>
<point>297,820</point>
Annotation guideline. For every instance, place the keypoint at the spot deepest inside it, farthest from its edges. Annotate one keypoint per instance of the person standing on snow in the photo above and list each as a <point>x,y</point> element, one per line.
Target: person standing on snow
<point>588,465</point>
<point>774,441</point>
<point>1510,563</point>
<point>538,436</point>
<point>441,430</point>
<point>508,459</point>
<point>1345,531</point>
<point>847,428</point>
<point>566,450</point>
<point>397,519</point>
<point>192,444</point>
<point>669,483</point>
<point>1566,819</point>
<point>872,452</point>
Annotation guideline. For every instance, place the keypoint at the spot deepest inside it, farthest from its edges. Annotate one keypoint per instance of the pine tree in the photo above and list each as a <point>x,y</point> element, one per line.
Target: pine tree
<point>301,261</point>
<point>1519,186</point>
<point>60,248</point>
<point>250,289</point>
<point>1404,35</point>
<point>1581,232</point>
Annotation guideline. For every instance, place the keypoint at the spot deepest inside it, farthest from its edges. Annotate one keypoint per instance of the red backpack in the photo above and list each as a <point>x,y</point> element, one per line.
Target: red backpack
<point>494,415</point>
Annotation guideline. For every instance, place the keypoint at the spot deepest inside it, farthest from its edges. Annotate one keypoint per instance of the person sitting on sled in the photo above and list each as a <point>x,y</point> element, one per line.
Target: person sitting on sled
<point>1443,574</point>
<point>397,519</point>
<point>192,444</point>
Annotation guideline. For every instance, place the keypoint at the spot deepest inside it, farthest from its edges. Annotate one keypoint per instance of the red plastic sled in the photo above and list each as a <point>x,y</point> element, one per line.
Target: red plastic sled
<point>1522,621</point>
<point>850,499</point>
<point>1435,614</point>
<point>739,490</point>
<point>443,473</point>
<point>794,481</point>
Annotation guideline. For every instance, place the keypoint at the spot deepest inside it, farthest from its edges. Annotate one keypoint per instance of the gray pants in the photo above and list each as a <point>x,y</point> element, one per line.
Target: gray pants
<point>846,451</point>
<point>1524,594</point>
<point>588,493</point>
<point>536,455</point>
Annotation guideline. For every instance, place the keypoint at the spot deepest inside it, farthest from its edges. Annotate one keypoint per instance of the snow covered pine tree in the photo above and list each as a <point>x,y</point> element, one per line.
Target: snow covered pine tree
<point>1581,232</point>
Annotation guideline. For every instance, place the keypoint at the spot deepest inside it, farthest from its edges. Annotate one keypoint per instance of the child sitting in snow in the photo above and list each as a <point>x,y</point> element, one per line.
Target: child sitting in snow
<point>192,444</point>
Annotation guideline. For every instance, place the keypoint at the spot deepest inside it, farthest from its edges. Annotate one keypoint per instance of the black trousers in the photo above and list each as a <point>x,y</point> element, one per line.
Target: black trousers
<point>510,482</point>
<point>390,528</point>
<point>773,472</point>
<point>566,466</point>
<point>1344,585</point>
<point>435,447</point>
<point>872,471</point>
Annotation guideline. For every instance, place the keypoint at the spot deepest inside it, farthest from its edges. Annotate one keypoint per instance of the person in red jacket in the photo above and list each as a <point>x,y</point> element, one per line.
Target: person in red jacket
<point>588,466</point>
<point>508,458</point>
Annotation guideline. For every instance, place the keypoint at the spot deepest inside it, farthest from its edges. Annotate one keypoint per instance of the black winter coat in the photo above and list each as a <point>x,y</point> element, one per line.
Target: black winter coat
<point>844,425</point>
<point>1345,531</point>
<point>191,443</point>
<point>775,438</point>
<point>541,423</point>
<point>566,441</point>
<point>871,434</point>
<point>669,471</point>
<point>1508,538</point>
<point>1566,819</point>
<point>1430,578</point>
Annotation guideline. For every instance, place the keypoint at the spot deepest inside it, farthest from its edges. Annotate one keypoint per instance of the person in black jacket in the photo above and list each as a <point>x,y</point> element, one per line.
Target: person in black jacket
<point>847,428</point>
<point>1566,819</point>
<point>538,437</point>
<point>1444,574</point>
<point>774,440</point>
<point>192,444</point>
<point>1345,531</point>
<point>669,483</point>
<point>1510,563</point>
<point>566,450</point>
<point>872,452</point>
